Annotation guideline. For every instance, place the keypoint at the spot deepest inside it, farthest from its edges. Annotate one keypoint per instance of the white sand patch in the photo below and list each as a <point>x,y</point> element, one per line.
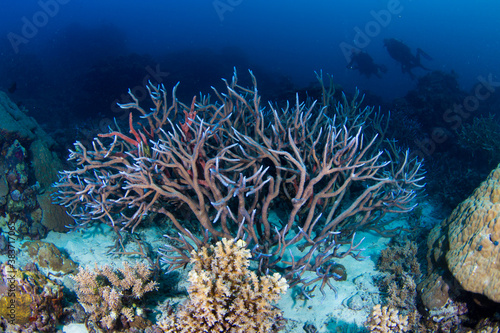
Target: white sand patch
<point>352,303</point>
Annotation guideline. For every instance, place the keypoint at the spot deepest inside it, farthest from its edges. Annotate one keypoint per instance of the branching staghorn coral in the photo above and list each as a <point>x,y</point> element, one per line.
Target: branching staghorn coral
<point>109,296</point>
<point>225,296</point>
<point>230,163</point>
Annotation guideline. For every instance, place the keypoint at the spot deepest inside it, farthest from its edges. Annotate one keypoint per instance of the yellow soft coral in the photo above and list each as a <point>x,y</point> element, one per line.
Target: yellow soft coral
<point>225,296</point>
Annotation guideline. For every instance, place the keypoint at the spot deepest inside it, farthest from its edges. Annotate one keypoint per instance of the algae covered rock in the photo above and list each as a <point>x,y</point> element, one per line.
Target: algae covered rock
<point>28,150</point>
<point>47,255</point>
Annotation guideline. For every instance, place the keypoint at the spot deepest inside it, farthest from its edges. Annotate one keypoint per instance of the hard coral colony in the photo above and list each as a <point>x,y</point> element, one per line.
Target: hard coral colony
<point>231,164</point>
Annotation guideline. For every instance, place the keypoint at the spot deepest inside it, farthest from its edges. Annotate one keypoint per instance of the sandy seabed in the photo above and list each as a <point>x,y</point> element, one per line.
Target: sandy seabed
<point>345,309</point>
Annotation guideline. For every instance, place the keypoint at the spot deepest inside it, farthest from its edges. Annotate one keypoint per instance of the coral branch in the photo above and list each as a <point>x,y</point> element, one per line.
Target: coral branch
<point>232,166</point>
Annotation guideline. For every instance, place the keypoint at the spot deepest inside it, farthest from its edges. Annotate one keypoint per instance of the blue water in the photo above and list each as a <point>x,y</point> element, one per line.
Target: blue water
<point>58,41</point>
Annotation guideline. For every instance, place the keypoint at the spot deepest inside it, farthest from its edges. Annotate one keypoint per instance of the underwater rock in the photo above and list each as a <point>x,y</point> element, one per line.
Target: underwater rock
<point>434,292</point>
<point>17,125</point>
<point>359,301</point>
<point>45,166</point>
<point>47,255</point>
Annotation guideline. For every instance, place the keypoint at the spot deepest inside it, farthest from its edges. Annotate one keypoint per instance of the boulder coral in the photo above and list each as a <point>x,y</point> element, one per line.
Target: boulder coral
<point>474,239</point>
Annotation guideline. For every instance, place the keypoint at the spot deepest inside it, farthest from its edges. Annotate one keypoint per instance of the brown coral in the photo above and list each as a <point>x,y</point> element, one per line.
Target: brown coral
<point>29,301</point>
<point>47,255</point>
<point>45,166</point>
<point>109,296</point>
<point>402,271</point>
<point>474,239</point>
<point>225,296</point>
<point>386,320</point>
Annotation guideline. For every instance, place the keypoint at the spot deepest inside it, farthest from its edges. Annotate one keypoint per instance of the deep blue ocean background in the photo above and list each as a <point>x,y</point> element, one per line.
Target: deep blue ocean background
<point>68,62</point>
<point>289,38</point>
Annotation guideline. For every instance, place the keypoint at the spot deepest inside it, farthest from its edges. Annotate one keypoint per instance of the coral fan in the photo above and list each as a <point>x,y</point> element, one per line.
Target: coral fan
<point>225,296</point>
<point>110,296</point>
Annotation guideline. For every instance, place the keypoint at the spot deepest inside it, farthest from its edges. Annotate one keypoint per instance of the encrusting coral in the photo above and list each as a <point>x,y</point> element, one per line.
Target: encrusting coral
<point>225,296</point>
<point>110,296</point>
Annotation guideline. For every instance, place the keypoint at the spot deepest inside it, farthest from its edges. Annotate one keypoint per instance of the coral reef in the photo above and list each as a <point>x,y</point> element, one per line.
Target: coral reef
<point>19,201</point>
<point>461,285</point>
<point>112,297</point>
<point>230,163</point>
<point>402,272</point>
<point>29,302</point>
<point>448,317</point>
<point>27,168</point>
<point>431,120</point>
<point>386,320</point>
<point>225,296</point>
<point>482,136</point>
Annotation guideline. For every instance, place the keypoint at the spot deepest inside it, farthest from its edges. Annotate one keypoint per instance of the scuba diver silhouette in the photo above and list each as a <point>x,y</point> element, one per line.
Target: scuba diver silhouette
<point>402,54</point>
<point>363,62</point>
